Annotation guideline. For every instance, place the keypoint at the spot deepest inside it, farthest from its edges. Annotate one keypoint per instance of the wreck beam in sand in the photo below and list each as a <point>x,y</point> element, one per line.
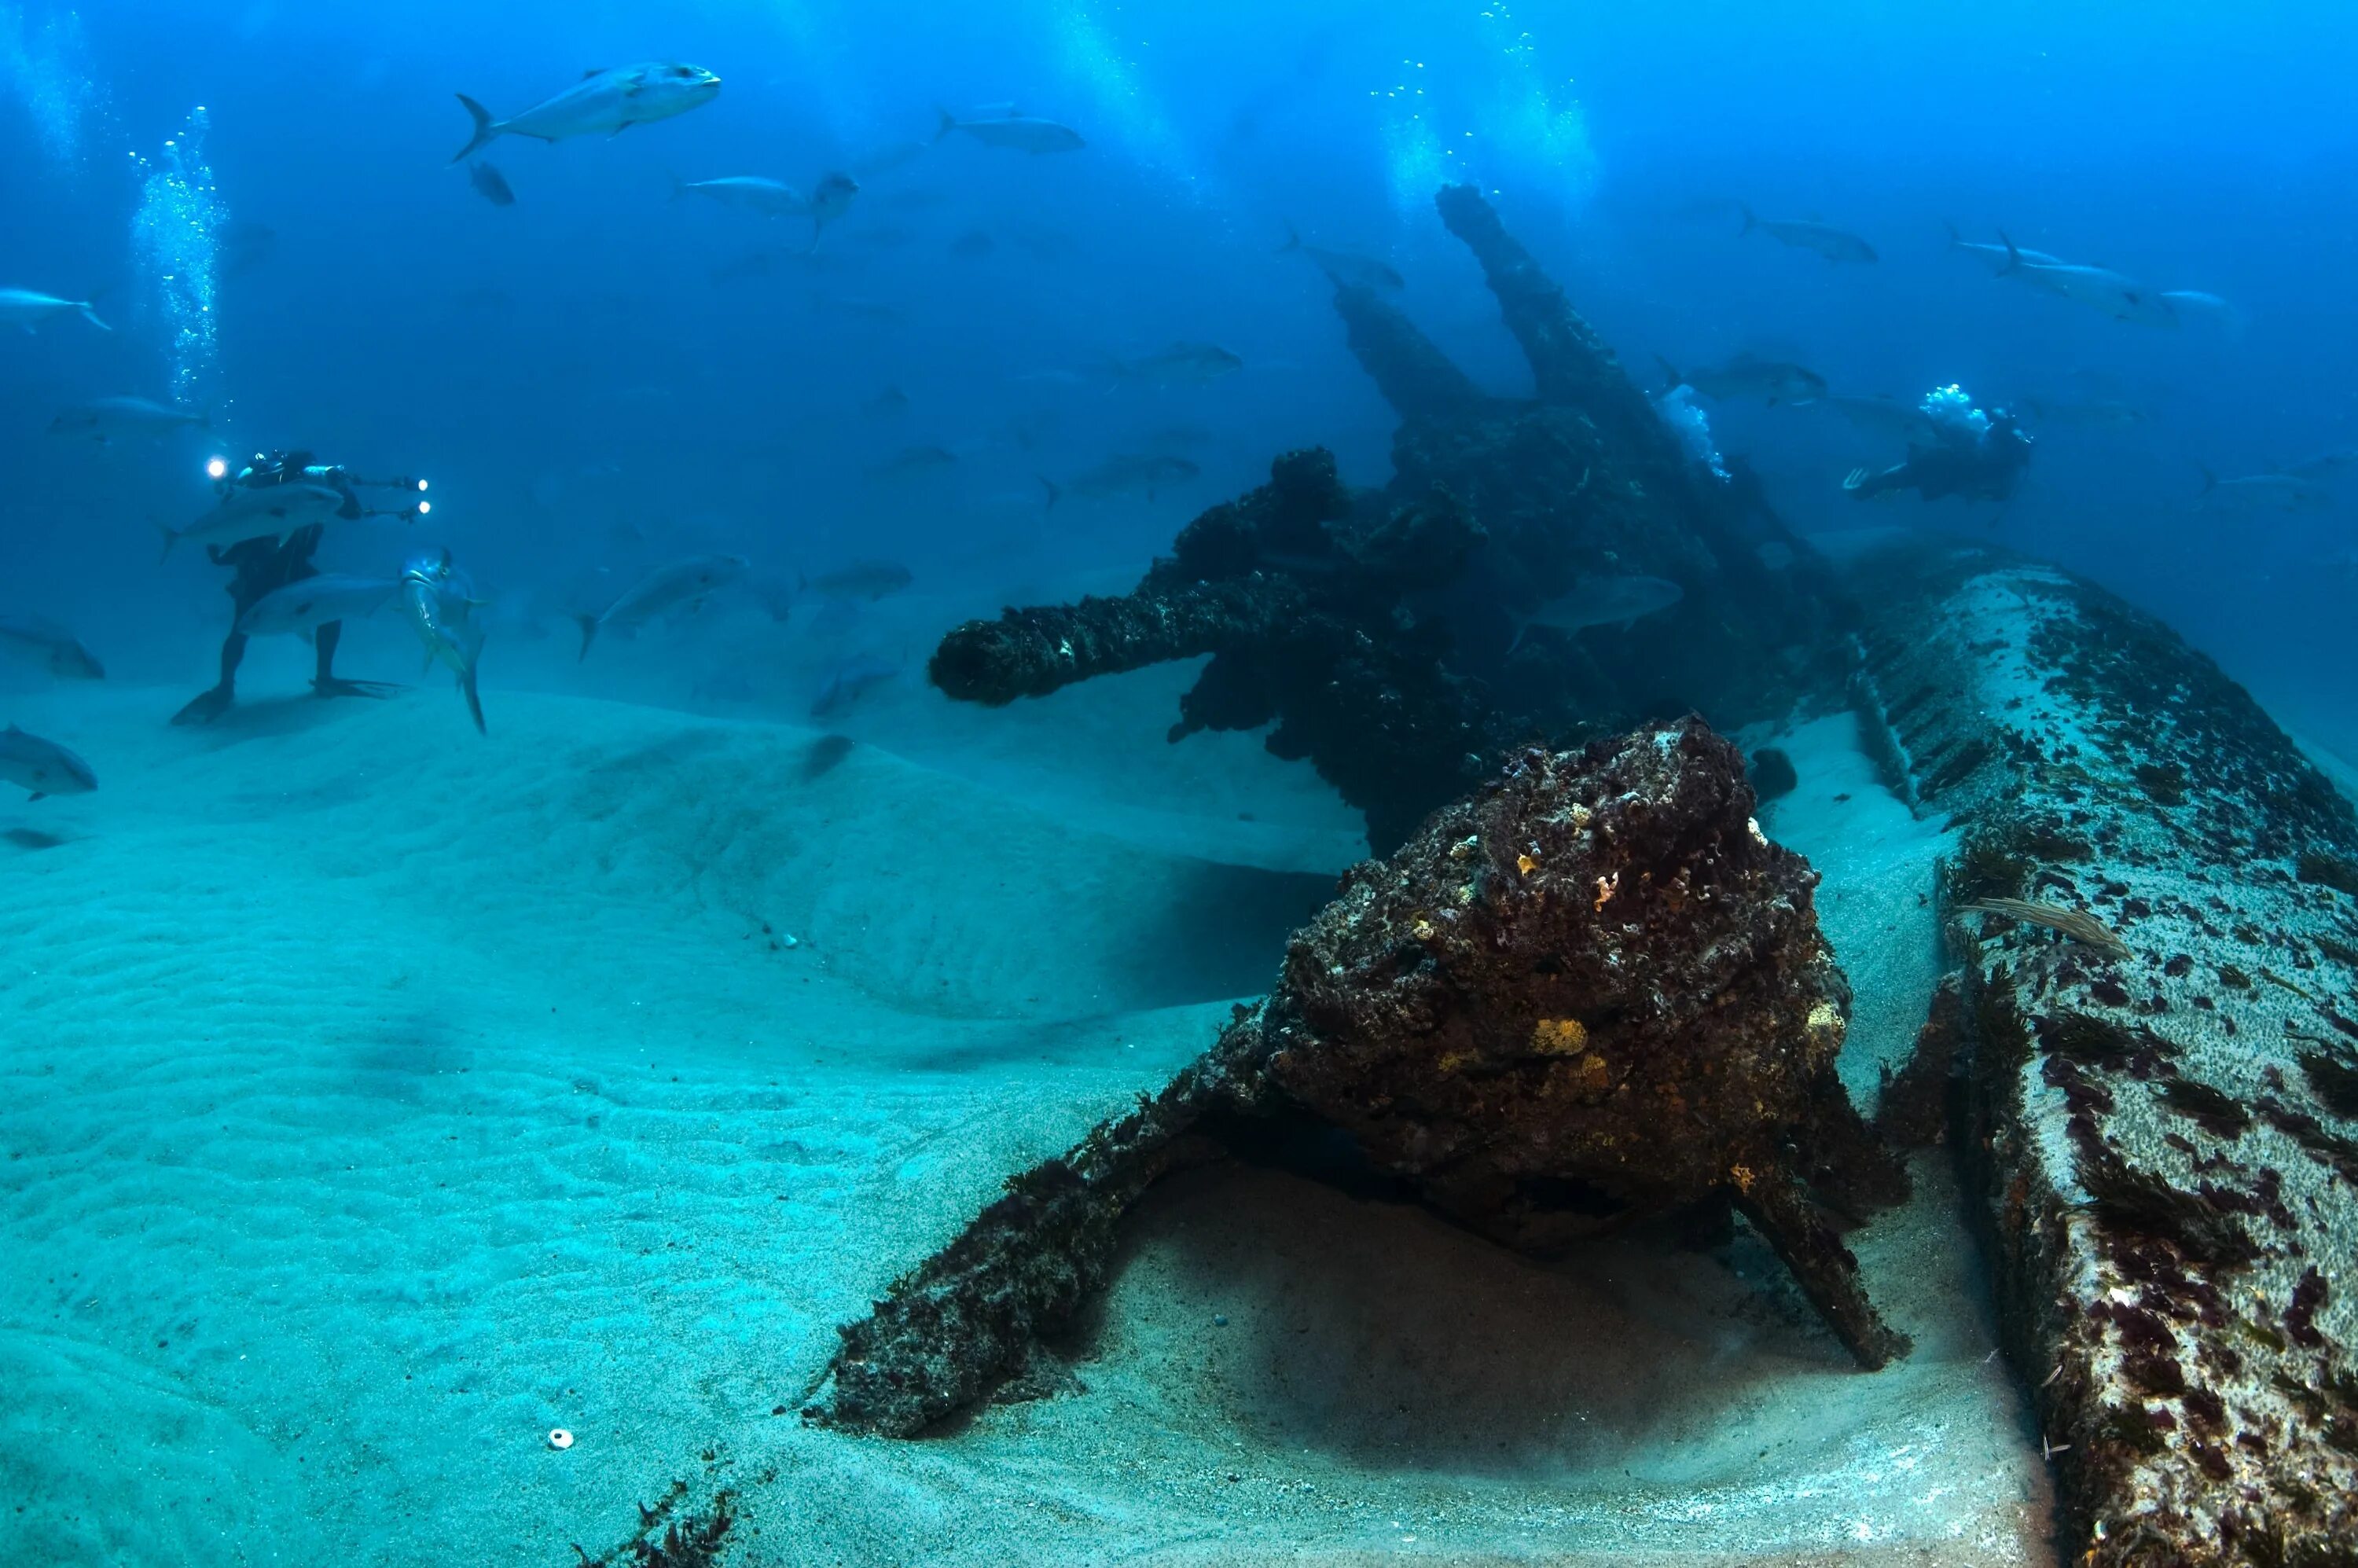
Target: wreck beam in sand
<point>1502,1016</point>
<point>2160,1104</point>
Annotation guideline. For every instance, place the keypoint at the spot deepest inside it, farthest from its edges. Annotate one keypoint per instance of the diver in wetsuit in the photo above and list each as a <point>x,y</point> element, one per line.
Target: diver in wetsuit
<point>266,563</point>
<point>1975,454</point>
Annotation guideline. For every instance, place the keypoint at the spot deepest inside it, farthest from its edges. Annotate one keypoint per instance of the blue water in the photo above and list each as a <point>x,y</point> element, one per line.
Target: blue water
<point>260,200</point>
<point>580,342</point>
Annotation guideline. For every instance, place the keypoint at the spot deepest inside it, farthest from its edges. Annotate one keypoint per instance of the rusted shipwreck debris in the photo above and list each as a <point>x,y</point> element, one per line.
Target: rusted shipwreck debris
<point>2163,1130</point>
<point>1375,631</point>
<point>1592,991</point>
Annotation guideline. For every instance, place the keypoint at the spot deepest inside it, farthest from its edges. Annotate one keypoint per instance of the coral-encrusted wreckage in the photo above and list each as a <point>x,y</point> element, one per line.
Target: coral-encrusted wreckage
<point>1507,1015</point>
<point>2160,1077</point>
<point>1375,632</point>
<point>2147,1054</point>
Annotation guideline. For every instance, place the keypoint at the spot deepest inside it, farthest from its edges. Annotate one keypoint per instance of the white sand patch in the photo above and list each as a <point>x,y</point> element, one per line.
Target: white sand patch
<point>1875,904</point>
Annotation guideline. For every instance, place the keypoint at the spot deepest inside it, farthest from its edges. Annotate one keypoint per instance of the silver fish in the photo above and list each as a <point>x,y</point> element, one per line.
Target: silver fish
<point>1149,471</point>
<point>827,201</point>
<point>2120,296</point>
<point>1180,364</point>
<point>1995,257</point>
<point>2325,464</point>
<point>2195,303</point>
<point>1885,418</point>
<point>42,766</point>
<point>2262,492</point>
<point>1619,599</point>
<point>863,579</point>
<point>49,645</point>
<point>849,680</point>
<point>682,583</point>
<point>442,605</point>
<point>610,101</point>
<point>249,511</point>
<point>1749,375</point>
<point>1018,133</point>
<point>103,418</point>
<point>1835,244</point>
<point>2110,412</point>
<point>24,308</point>
<point>488,184</point>
<point>911,461</point>
<point>301,608</point>
<point>1345,266</point>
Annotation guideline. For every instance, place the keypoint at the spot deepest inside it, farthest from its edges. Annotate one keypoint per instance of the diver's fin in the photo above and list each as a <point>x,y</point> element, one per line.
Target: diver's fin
<point>485,126</point>
<point>589,624</point>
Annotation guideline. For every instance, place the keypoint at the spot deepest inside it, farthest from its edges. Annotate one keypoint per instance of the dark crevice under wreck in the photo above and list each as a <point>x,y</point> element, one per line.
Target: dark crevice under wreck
<point>1583,988</point>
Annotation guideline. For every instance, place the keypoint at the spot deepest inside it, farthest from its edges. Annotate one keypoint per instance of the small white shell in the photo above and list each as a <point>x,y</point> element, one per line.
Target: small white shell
<point>559,1439</point>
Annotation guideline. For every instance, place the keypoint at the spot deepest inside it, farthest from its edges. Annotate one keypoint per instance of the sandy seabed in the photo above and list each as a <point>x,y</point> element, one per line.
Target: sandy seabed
<point>374,1099</point>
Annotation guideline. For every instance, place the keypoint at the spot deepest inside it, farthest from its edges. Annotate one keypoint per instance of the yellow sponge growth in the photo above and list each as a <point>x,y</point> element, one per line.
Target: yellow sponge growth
<point>1559,1036</point>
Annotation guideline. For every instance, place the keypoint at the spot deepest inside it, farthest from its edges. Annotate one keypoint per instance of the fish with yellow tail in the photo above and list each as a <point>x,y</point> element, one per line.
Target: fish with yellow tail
<point>441,603</point>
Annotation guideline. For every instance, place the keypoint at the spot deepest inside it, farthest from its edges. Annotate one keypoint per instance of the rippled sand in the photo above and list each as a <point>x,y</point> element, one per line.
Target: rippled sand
<point>374,1099</point>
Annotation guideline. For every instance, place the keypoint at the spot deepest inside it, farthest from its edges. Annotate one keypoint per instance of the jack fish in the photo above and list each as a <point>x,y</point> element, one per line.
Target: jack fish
<point>1018,133</point>
<point>42,766</point>
<point>1835,244</point>
<point>608,101</point>
<point>249,511</point>
<point>23,307</point>
<point>301,608</point>
<point>442,605</point>
<point>682,583</point>
<point>49,645</point>
<point>1619,599</point>
<point>102,420</point>
<point>2116,295</point>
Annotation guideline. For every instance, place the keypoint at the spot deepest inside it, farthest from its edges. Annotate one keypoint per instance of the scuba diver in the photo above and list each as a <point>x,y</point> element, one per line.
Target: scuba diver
<point>1976,455</point>
<point>268,562</point>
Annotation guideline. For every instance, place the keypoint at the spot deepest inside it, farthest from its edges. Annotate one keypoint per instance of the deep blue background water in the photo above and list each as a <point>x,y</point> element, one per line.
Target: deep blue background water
<point>590,398</point>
